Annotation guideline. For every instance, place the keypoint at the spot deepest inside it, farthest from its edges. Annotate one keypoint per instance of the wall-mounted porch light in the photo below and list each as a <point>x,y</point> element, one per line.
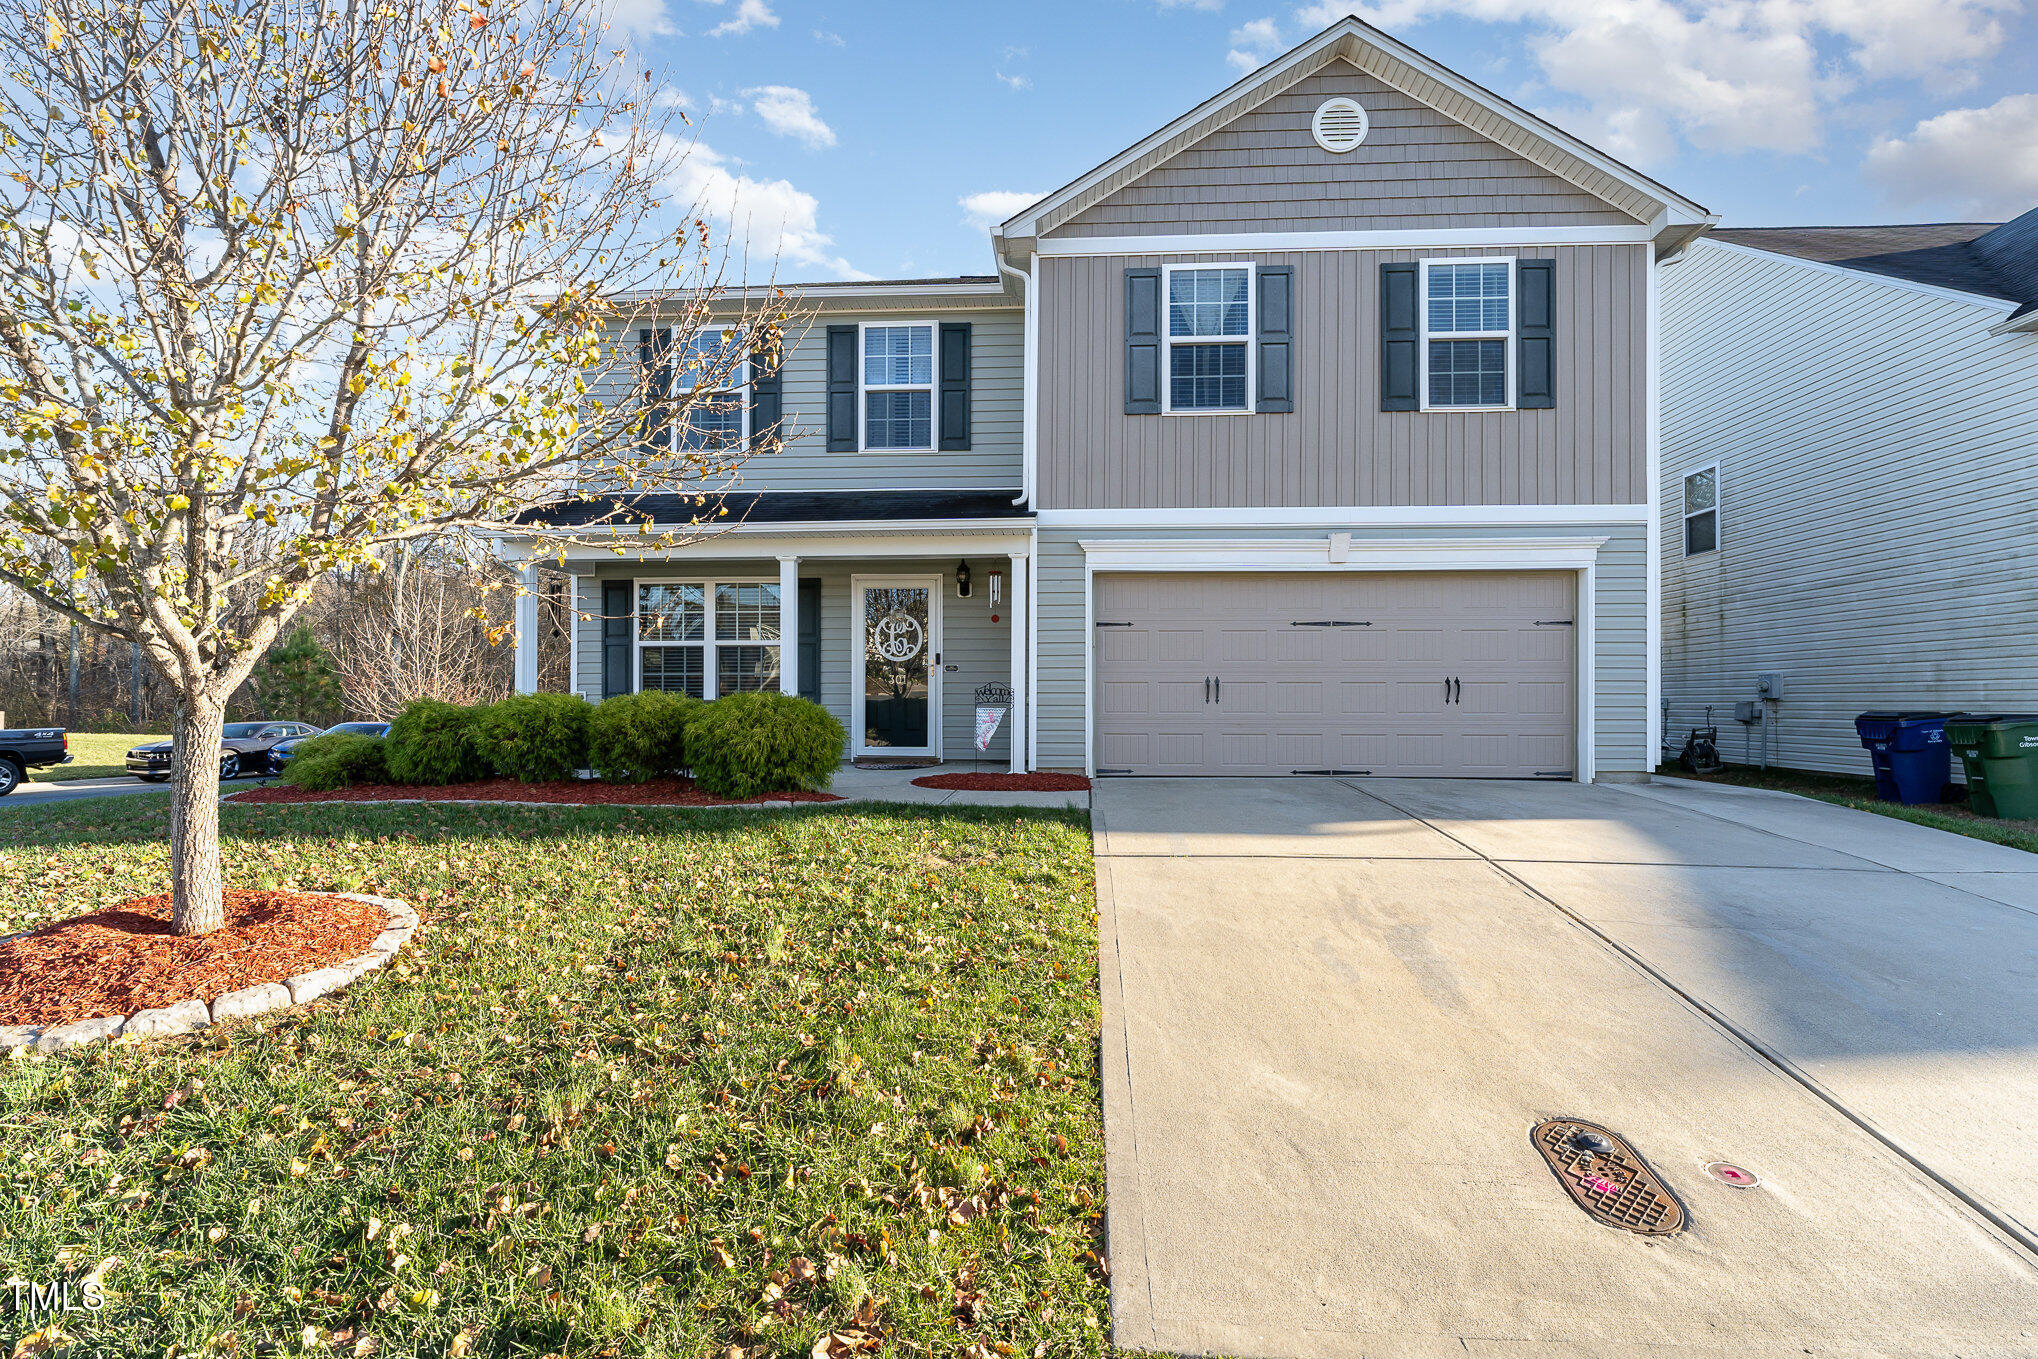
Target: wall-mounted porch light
<point>962,580</point>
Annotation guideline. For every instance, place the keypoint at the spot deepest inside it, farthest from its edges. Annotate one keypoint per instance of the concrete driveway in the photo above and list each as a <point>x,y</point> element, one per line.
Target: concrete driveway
<point>1333,1011</point>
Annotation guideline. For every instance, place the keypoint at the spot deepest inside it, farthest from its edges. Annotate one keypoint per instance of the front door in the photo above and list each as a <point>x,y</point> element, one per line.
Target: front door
<point>896,705</point>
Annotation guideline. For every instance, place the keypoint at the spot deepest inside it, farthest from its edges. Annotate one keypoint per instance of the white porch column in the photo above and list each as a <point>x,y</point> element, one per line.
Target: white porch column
<point>1021,681</point>
<point>527,630</point>
<point>789,626</point>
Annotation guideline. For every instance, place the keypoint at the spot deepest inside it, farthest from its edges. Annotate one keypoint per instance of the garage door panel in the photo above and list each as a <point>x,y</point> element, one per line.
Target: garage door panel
<point>1369,695</point>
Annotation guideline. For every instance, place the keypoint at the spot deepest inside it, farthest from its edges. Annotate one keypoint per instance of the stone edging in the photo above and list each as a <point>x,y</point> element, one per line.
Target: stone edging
<point>187,1015</point>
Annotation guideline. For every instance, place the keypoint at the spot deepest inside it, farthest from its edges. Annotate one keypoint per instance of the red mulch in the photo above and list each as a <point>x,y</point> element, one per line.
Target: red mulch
<point>124,958</point>
<point>566,792</point>
<point>1007,783</point>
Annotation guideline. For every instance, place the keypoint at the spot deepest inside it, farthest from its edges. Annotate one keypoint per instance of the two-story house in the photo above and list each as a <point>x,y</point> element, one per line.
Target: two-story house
<point>1315,432</point>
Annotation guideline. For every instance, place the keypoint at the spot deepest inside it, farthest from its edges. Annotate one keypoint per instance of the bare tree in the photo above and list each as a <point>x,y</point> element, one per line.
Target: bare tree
<point>419,629</point>
<point>284,283</point>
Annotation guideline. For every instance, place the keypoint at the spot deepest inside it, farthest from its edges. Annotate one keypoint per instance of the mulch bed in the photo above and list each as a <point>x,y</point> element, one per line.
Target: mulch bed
<point>124,958</point>
<point>1007,783</point>
<point>666,792</point>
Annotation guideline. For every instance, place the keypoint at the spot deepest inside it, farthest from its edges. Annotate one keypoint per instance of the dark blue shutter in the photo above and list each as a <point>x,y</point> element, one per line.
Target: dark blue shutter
<point>810,640</point>
<point>1400,337</point>
<point>767,395</point>
<point>1276,394</point>
<point>1535,382</point>
<point>842,358</point>
<point>1142,342</point>
<point>618,639</point>
<point>955,415</point>
<point>654,354</point>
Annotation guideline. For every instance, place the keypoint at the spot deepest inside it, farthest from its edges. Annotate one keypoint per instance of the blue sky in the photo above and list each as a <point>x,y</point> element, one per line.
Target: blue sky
<point>875,139</point>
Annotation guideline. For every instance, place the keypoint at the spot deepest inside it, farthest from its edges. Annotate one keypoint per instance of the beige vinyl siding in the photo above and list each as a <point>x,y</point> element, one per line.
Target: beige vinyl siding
<point>980,650</point>
<point>1338,447</point>
<point>1417,169</point>
<point>997,395</point>
<point>1620,636</point>
<point>1878,455</point>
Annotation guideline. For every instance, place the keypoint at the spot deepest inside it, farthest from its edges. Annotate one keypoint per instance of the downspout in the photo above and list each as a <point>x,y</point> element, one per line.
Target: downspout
<point>1027,281</point>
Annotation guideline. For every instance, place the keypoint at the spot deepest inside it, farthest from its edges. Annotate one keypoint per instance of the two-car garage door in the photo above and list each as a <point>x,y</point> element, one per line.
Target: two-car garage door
<point>1442,674</point>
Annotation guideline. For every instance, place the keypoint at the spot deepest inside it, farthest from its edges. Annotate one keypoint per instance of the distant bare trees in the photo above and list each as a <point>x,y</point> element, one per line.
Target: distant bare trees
<point>420,628</point>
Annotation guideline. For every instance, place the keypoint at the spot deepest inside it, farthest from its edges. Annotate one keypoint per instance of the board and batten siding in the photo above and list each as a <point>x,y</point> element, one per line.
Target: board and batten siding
<point>993,460</point>
<point>1417,169</point>
<point>980,650</point>
<point>1338,447</point>
<point>1620,636</point>
<point>1878,455</point>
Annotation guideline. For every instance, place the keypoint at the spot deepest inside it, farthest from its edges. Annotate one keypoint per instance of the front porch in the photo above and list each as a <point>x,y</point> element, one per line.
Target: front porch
<point>866,616</point>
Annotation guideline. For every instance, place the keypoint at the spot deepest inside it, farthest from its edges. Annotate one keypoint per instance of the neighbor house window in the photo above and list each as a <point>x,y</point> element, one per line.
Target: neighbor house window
<point>718,419</point>
<point>1209,338</point>
<point>1468,334</point>
<point>707,638</point>
<point>898,386</point>
<point>1702,511</point>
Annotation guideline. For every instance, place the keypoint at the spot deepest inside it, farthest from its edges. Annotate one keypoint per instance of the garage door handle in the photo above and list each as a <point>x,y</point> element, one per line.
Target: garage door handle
<point>1457,690</point>
<point>1206,688</point>
<point>1219,682</point>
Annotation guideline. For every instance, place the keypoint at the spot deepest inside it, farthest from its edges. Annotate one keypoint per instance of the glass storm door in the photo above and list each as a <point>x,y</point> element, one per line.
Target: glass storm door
<point>898,700</point>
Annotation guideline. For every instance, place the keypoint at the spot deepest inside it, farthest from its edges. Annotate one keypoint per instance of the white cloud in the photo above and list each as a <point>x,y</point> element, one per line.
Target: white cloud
<point>749,15</point>
<point>1015,82</point>
<point>828,39</point>
<point>639,18</point>
<point>1719,75</point>
<point>1255,43</point>
<point>1979,163</point>
<point>789,112</point>
<point>985,210</point>
<point>768,218</point>
<point>1208,6</point>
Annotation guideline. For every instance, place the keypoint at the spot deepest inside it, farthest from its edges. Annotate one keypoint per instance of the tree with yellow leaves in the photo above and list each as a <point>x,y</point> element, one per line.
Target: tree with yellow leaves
<point>285,283</point>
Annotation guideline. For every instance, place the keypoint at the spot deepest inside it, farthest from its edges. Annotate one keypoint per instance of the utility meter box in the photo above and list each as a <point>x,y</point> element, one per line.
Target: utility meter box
<point>1770,686</point>
<point>1747,710</point>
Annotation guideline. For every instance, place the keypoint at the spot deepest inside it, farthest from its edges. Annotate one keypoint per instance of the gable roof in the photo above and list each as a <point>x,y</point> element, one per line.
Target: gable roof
<point>1986,259</point>
<point>1676,217</point>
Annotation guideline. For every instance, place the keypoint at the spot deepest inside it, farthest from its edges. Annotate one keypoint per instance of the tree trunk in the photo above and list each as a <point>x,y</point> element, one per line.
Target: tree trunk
<point>197,889</point>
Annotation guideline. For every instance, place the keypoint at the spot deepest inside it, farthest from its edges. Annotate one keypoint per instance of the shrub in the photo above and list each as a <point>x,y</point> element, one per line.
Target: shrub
<point>535,737</point>
<point>324,763</point>
<point>634,737</point>
<point>747,744</point>
<point>434,742</point>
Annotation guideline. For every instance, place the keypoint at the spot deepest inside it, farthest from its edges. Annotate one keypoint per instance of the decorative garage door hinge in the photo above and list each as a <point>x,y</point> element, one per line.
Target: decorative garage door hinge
<point>1330,623</point>
<point>1114,625</point>
<point>1555,623</point>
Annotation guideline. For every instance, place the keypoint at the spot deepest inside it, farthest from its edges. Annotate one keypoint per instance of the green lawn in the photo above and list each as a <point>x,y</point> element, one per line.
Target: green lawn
<point>1859,793</point>
<point>94,755</point>
<point>646,1083</point>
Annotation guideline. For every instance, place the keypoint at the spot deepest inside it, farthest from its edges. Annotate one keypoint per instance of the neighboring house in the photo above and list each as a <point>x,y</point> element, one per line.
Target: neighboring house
<point>1850,479</point>
<point>1313,433</point>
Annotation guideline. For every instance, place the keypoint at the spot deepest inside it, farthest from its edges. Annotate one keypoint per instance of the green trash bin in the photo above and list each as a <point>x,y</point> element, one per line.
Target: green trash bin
<point>2000,755</point>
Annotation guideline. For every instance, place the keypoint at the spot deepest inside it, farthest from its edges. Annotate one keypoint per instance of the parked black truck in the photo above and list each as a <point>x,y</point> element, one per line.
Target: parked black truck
<point>26,748</point>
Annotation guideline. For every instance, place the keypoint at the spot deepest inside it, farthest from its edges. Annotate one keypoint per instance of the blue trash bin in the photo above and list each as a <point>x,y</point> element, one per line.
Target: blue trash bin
<point>1913,762</point>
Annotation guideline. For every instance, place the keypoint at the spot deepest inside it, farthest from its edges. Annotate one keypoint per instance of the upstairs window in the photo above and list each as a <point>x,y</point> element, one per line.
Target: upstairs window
<point>719,417</point>
<point>1209,338</point>
<point>898,386</point>
<point>1468,334</point>
<point>1702,511</point>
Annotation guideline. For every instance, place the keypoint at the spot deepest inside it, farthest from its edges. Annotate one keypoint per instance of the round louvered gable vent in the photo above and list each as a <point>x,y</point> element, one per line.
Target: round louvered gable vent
<point>1339,125</point>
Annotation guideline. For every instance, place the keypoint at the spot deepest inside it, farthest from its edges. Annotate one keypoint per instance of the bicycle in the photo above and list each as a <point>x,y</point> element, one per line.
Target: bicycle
<point>1701,753</point>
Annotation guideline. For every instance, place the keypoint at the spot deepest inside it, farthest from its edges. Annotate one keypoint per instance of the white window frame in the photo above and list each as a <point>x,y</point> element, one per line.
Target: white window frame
<point>1251,338</point>
<point>932,387</point>
<point>1687,515</point>
<point>1507,336</point>
<point>741,389</point>
<point>710,642</point>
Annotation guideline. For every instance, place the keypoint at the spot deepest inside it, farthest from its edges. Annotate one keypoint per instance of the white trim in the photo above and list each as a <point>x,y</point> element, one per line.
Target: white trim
<point>709,642</point>
<point>1905,284</point>
<point>934,585</point>
<point>1020,677</point>
<point>1029,488</point>
<point>820,291</point>
<point>1033,652</point>
<point>1685,516</point>
<point>1169,339</point>
<point>1653,545</point>
<point>573,633</point>
<point>1348,516</point>
<point>763,548</point>
<point>932,386</point>
<point>1424,334</point>
<point>1435,238</point>
<point>789,625</point>
<point>527,629</point>
<point>1247,556</point>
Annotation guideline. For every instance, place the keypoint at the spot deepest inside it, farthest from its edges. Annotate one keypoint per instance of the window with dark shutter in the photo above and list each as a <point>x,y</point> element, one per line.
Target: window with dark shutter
<point>1276,393</point>
<point>955,380</point>
<point>810,640</point>
<point>842,389</point>
<point>1142,342</point>
<point>654,357</point>
<point>767,400</point>
<point>618,639</point>
<point>1400,337</point>
<point>1536,326</point>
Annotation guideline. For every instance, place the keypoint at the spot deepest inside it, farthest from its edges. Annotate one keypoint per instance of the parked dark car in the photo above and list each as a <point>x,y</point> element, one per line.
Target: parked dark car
<point>26,748</point>
<point>243,749</point>
<point>280,756</point>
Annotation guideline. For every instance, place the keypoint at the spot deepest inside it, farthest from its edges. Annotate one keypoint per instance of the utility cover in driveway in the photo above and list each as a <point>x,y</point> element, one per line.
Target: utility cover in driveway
<point>1607,1178</point>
